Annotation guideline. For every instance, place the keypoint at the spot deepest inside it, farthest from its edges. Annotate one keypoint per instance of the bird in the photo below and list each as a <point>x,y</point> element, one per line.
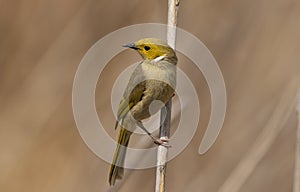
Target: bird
<point>154,78</point>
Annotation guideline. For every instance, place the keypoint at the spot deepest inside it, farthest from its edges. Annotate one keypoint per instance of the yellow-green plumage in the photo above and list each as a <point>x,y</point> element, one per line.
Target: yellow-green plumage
<point>153,79</point>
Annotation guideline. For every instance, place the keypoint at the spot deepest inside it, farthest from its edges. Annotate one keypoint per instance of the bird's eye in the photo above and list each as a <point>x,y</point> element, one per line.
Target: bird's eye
<point>147,48</point>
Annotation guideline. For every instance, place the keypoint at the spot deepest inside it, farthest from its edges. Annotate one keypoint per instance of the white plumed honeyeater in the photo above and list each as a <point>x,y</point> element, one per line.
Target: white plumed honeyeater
<point>153,79</point>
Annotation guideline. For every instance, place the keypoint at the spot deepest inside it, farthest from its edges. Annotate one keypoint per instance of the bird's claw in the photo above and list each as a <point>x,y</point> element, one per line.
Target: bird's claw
<point>163,142</point>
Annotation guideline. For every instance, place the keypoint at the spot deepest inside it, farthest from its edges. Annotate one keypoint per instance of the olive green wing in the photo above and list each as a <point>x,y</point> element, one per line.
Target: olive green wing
<point>129,101</point>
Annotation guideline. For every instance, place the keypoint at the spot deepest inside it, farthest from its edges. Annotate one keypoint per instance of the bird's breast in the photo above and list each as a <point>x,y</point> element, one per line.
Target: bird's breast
<point>164,72</point>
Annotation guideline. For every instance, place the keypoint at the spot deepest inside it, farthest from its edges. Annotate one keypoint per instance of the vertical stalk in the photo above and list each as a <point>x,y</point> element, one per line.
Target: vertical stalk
<point>165,121</point>
<point>297,161</point>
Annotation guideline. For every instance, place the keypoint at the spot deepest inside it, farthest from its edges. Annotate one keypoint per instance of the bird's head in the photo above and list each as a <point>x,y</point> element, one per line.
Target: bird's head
<point>154,49</point>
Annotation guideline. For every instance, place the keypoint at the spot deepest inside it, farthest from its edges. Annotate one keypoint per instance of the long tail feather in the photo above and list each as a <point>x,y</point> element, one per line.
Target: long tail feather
<point>116,168</point>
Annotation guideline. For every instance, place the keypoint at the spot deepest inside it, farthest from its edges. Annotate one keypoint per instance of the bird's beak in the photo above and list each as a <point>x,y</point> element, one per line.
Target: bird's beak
<point>131,45</point>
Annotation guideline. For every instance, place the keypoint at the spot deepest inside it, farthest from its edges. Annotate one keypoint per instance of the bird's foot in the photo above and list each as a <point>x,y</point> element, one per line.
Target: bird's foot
<point>159,141</point>
<point>163,142</point>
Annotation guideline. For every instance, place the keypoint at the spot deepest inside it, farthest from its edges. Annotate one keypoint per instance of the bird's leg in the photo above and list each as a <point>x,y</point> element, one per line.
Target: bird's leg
<point>156,140</point>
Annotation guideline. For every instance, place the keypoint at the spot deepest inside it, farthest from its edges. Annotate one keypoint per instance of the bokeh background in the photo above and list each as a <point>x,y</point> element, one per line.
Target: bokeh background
<point>256,43</point>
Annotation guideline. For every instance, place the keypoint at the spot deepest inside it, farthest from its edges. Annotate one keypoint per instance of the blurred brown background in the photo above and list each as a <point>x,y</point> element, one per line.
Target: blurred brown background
<point>256,43</point>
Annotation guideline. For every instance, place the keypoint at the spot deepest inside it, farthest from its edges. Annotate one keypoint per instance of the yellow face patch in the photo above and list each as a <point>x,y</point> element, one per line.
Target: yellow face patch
<point>153,48</point>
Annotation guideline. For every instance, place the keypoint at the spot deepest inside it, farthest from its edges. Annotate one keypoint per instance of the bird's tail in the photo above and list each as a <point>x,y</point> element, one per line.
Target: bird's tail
<point>116,168</point>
